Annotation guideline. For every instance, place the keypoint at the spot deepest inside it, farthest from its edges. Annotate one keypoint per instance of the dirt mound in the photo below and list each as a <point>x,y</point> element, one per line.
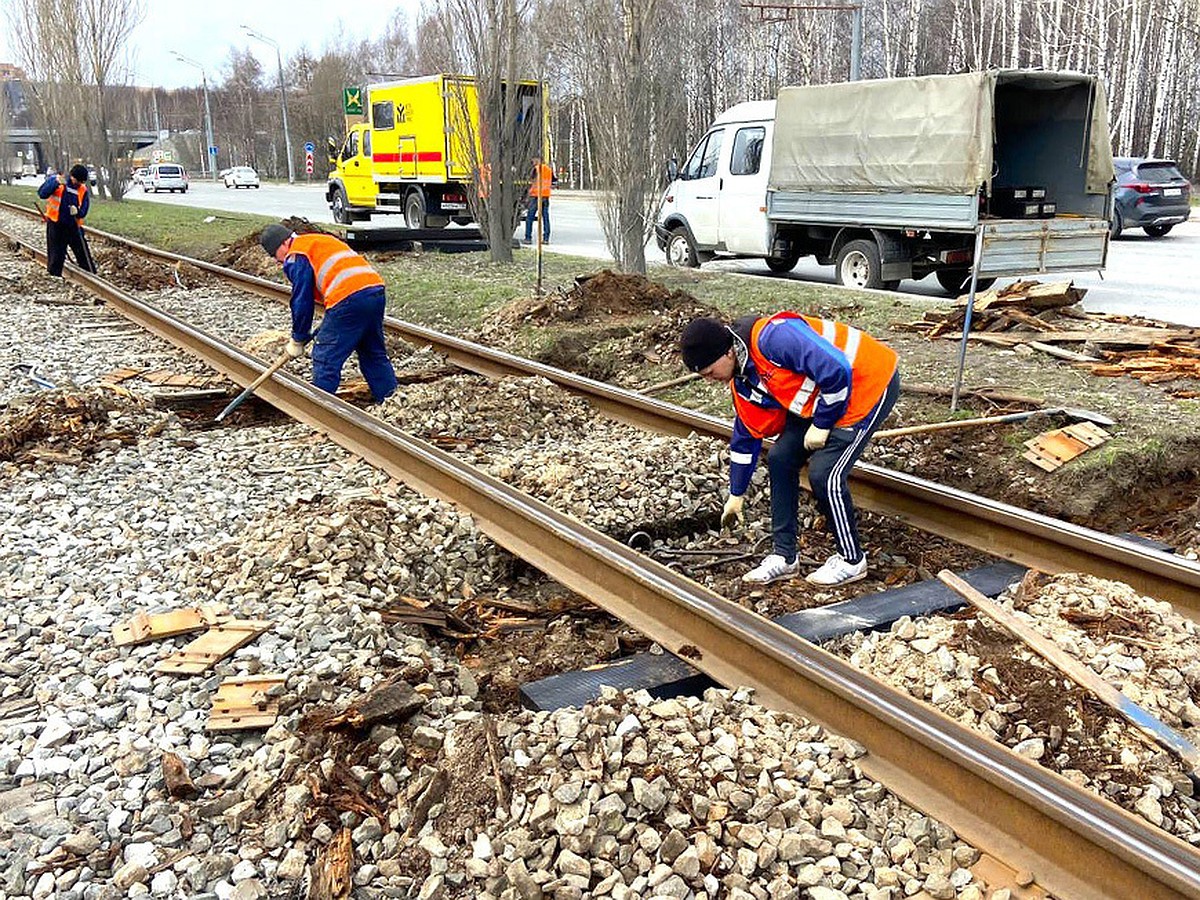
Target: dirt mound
<point>246,254</point>
<point>61,426</point>
<point>599,296</point>
<point>133,271</point>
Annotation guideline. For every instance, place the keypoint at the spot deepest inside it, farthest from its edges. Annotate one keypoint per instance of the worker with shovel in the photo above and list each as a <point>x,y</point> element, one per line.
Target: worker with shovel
<point>67,203</point>
<point>820,388</point>
<point>323,269</point>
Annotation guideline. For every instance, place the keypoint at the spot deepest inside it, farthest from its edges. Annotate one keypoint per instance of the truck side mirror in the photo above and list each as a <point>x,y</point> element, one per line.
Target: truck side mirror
<point>672,169</point>
<point>331,151</point>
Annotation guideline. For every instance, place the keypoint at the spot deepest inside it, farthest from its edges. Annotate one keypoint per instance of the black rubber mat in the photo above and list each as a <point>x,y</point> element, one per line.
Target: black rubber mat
<point>666,675</point>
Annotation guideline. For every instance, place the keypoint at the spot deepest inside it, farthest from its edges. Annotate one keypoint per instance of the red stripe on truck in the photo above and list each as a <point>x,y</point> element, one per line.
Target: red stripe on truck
<point>408,156</point>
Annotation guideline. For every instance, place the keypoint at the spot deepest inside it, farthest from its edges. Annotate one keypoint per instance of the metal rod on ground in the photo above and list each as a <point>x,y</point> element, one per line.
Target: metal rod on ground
<point>1079,673</point>
<point>241,398</point>
<point>663,385</point>
<point>962,350</point>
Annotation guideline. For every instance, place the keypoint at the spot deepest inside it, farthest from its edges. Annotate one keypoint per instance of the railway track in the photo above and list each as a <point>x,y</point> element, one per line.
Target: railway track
<point>1034,540</point>
<point>1023,816</point>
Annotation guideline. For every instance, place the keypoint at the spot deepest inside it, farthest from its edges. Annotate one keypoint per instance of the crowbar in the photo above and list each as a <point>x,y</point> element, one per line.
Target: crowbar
<point>241,398</point>
<point>29,370</point>
<point>1085,415</point>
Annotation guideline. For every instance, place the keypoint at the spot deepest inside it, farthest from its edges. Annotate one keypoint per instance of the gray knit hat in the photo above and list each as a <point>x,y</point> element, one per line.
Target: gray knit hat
<point>272,236</point>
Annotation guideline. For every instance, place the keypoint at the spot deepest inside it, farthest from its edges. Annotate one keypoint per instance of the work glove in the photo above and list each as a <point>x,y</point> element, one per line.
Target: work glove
<point>73,210</point>
<point>815,438</point>
<point>294,348</point>
<point>731,515</point>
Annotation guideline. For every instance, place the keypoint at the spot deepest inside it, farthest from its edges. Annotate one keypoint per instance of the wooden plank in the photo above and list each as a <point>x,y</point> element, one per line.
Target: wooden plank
<point>145,627</point>
<point>212,646</point>
<point>243,703</point>
<point>1077,672</point>
<point>1051,449</point>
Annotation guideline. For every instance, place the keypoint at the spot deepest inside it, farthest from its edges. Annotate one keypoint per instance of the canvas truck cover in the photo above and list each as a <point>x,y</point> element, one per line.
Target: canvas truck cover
<point>932,134</point>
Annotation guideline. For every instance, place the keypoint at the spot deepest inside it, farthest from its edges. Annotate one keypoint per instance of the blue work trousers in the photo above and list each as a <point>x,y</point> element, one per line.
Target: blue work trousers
<point>531,215</point>
<point>828,474</point>
<point>354,325</point>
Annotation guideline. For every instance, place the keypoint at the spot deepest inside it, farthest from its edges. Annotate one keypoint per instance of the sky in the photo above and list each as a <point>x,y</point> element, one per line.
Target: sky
<point>169,26</point>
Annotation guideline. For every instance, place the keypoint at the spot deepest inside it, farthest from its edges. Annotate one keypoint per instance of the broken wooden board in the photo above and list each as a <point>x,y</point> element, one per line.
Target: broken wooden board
<point>243,703</point>
<point>1051,449</point>
<point>151,626</point>
<point>331,874</point>
<point>390,701</point>
<point>116,376</point>
<point>212,646</point>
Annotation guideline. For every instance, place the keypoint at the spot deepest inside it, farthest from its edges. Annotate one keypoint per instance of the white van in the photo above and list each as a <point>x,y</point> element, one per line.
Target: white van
<point>165,177</point>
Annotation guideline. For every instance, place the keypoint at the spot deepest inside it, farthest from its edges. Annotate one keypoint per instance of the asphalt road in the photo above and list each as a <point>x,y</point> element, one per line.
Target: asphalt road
<point>1154,277</point>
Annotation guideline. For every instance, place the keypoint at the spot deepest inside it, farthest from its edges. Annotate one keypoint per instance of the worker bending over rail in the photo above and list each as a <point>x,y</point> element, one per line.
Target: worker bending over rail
<point>324,270</point>
<point>820,388</point>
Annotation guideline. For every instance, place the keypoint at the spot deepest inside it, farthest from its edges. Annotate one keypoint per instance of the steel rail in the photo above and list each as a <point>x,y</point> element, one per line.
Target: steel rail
<point>1031,539</point>
<point>1076,844</point>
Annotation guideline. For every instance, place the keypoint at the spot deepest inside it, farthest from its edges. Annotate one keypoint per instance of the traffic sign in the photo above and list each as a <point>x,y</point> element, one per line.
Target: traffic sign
<point>352,101</point>
<point>309,146</point>
<point>213,150</point>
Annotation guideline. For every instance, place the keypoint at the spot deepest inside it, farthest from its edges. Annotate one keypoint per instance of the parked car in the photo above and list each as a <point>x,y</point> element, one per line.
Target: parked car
<point>91,175</point>
<point>241,176</point>
<point>1151,194</point>
<point>139,174</point>
<point>165,177</point>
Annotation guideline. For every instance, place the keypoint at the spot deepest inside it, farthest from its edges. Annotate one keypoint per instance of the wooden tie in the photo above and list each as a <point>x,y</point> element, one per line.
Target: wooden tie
<point>148,627</point>
<point>242,703</point>
<point>212,646</point>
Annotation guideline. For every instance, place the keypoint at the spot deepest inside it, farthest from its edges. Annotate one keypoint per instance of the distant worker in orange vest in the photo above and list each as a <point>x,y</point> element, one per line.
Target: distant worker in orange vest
<point>539,195</point>
<point>67,204</point>
<point>821,389</point>
<point>323,269</point>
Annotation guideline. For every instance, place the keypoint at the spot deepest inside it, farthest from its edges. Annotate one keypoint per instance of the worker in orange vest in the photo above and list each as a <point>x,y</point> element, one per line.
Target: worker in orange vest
<point>820,388</point>
<point>539,195</point>
<point>67,204</point>
<point>323,269</point>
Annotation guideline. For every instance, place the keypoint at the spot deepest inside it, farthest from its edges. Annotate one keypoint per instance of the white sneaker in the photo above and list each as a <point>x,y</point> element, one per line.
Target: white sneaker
<point>837,571</point>
<point>773,568</point>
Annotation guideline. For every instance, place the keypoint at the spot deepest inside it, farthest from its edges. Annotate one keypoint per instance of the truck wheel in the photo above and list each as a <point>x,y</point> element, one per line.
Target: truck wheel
<point>1116,225</point>
<point>340,206</point>
<point>783,263</point>
<point>680,251</point>
<point>859,266</point>
<point>414,210</point>
<point>1157,230</point>
<point>958,281</point>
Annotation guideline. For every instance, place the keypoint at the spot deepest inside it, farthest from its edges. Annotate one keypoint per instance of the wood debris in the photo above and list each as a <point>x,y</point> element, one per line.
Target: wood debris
<point>482,618</point>
<point>212,646</point>
<point>244,703</point>
<point>1043,318</point>
<point>330,874</point>
<point>390,701</point>
<point>175,776</point>
<point>1051,449</point>
<point>145,627</point>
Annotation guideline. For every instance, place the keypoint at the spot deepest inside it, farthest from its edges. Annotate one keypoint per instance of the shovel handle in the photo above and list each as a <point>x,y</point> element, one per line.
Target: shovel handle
<point>959,423</point>
<point>241,398</point>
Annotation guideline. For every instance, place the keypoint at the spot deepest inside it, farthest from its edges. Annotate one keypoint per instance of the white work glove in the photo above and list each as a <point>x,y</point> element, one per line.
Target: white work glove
<point>294,348</point>
<point>732,513</point>
<point>73,210</point>
<point>815,438</point>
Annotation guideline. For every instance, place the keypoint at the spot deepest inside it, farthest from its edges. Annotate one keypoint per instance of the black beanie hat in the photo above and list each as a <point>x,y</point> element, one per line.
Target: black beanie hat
<point>80,174</point>
<point>703,342</point>
<point>272,236</point>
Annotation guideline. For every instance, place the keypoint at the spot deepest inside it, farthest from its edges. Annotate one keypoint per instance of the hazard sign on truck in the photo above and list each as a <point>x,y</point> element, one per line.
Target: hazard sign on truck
<point>416,149</point>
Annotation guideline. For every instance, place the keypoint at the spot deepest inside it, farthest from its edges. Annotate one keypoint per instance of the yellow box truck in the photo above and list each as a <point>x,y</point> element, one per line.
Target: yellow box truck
<point>417,149</point>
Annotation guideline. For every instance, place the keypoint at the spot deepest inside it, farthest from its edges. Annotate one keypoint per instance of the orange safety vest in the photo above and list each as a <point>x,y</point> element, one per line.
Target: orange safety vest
<point>543,177</point>
<point>54,202</point>
<point>338,270</point>
<point>872,364</point>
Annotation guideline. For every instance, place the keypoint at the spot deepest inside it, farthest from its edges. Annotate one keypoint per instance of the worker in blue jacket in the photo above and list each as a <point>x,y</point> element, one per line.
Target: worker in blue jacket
<point>67,204</point>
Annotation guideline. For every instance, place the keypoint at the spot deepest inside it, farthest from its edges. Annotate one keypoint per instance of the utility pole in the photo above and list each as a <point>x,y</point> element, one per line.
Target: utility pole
<point>782,12</point>
<point>287,137</point>
<point>212,148</point>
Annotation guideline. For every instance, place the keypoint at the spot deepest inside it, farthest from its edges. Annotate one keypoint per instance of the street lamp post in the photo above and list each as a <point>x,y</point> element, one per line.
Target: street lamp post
<point>212,148</point>
<point>287,136</point>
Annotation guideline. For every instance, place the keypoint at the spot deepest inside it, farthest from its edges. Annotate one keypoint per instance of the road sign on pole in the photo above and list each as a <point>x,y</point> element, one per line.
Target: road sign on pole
<point>308,160</point>
<point>309,147</point>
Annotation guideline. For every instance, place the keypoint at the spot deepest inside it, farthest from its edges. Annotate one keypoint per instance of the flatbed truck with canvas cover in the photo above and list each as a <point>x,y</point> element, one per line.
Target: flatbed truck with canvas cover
<point>415,151</point>
<point>892,179</point>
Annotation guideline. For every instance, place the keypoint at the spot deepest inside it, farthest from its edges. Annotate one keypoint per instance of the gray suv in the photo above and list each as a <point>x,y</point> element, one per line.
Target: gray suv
<point>1151,194</point>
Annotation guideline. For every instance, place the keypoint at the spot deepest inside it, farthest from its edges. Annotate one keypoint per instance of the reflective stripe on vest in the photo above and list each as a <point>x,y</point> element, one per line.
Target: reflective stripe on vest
<point>338,270</point>
<point>872,364</point>
<point>54,202</point>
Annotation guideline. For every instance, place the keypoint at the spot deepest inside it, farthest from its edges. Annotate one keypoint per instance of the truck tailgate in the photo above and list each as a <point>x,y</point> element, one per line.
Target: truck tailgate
<point>1028,246</point>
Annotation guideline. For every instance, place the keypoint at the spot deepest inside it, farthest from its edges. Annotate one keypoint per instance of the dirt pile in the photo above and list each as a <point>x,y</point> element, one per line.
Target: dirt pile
<point>62,426</point>
<point>135,272</point>
<point>593,298</point>
<point>246,254</point>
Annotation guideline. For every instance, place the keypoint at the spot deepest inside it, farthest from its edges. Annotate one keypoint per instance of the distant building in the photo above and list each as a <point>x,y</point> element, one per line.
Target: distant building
<point>9,72</point>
